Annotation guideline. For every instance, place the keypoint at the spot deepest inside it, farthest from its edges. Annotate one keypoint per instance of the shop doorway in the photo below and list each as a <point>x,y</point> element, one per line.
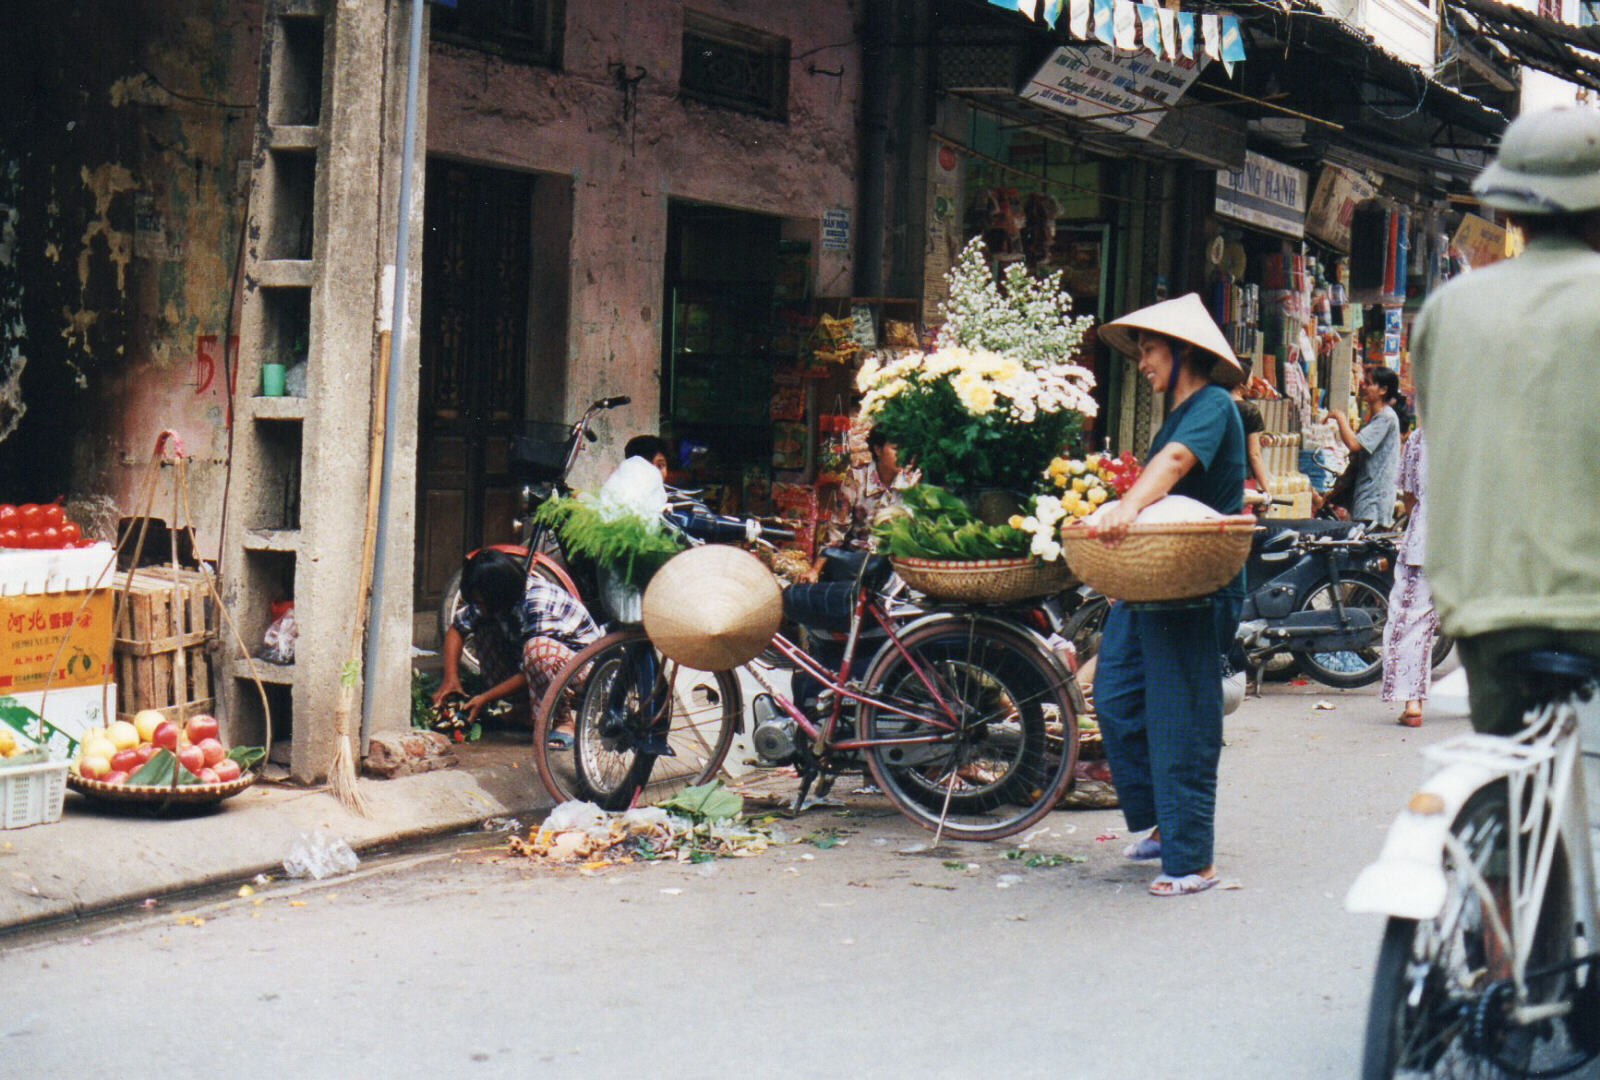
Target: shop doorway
<point>494,311</point>
<point>721,279</point>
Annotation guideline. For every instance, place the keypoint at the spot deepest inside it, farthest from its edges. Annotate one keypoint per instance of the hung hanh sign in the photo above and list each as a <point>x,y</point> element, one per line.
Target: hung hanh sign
<point>1127,94</point>
<point>1265,193</point>
<point>1164,32</point>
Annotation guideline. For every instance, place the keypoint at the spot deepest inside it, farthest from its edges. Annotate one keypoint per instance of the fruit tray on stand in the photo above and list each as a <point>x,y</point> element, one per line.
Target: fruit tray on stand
<point>151,761</point>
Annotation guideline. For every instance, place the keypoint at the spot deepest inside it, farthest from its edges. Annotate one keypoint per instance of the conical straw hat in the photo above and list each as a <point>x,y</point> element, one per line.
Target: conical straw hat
<point>712,608</point>
<point>1186,319</point>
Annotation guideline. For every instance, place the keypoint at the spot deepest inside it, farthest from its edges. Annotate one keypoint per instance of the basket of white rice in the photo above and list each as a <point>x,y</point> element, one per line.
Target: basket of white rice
<point>1178,548</point>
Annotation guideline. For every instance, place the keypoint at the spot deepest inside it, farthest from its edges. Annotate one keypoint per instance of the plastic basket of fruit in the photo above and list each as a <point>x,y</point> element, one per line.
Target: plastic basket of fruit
<point>152,760</point>
<point>984,581</point>
<point>1159,562</point>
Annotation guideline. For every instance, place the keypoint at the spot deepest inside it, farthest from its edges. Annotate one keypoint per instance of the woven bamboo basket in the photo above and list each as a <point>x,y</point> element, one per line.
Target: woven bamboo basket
<point>1154,563</point>
<point>984,581</point>
<point>159,795</point>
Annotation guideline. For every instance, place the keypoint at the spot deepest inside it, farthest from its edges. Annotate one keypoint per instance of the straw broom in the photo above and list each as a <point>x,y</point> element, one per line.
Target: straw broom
<point>342,773</point>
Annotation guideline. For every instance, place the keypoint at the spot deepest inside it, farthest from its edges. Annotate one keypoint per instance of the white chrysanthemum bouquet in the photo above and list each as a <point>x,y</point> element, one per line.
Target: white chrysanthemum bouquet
<point>1001,396</point>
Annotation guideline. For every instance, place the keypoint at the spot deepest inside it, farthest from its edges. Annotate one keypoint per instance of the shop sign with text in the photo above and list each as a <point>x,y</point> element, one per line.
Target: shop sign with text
<point>1127,94</point>
<point>1334,203</point>
<point>1264,193</point>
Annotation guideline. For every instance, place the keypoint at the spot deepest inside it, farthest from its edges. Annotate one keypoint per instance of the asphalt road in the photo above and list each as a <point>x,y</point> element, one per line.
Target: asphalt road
<point>857,960</point>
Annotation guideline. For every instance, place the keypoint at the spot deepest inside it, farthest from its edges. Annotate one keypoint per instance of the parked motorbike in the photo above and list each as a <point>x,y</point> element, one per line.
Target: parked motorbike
<point>1318,591</point>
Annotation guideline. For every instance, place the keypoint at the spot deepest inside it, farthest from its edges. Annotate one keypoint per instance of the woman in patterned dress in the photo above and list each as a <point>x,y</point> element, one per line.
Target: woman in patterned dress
<point>1412,624</point>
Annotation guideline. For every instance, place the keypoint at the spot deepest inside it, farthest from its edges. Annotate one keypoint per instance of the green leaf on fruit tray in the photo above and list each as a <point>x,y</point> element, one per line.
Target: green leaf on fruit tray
<point>475,732</point>
<point>707,802</point>
<point>247,756</point>
<point>157,772</point>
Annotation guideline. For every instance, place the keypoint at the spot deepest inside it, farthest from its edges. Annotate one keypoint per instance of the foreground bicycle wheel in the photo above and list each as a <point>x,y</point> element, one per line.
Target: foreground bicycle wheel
<point>1015,740</point>
<point>1441,994</point>
<point>643,726</point>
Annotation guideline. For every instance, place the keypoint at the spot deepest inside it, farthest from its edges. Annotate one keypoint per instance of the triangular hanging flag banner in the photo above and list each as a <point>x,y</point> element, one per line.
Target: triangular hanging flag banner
<point>1186,35</point>
<point>1026,8</point>
<point>1149,28</point>
<point>1127,25</point>
<point>1104,21</point>
<point>1169,33</point>
<point>1232,39</point>
<point>1050,12</point>
<point>1009,5</point>
<point>1078,19</point>
<point>1211,33</point>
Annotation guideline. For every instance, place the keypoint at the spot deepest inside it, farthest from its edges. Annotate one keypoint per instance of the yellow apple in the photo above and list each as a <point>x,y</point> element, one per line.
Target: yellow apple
<point>145,721</point>
<point>123,735</point>
<point>100,747</point>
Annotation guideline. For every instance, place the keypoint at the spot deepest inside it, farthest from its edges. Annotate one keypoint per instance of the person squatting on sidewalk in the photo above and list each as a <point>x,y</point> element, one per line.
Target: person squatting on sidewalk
<point>524,629</point>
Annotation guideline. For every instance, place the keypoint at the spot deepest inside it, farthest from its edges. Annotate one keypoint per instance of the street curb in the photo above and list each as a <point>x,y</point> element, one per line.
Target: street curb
<point>96,860</point>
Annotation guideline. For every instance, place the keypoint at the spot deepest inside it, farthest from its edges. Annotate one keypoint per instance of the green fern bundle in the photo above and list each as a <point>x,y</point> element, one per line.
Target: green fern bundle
<point>631,547</point>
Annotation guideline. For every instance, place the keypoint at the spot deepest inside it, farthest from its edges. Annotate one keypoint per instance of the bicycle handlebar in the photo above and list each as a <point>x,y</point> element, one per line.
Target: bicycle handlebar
<point>613,402</point>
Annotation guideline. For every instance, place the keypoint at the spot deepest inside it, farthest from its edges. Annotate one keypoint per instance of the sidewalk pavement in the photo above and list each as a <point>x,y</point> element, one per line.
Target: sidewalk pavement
<point>97,857</point>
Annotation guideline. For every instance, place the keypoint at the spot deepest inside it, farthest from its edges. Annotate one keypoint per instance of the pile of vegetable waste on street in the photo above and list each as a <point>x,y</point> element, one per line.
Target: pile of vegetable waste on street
<point>696,825</point>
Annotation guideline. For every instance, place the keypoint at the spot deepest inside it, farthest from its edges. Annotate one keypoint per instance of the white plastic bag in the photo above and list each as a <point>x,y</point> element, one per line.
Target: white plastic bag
<point>277,644</point>
<point>318,855</point>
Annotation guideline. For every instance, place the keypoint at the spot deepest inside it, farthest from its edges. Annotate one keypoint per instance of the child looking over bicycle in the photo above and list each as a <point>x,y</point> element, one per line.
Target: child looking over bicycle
<point>524,628</point>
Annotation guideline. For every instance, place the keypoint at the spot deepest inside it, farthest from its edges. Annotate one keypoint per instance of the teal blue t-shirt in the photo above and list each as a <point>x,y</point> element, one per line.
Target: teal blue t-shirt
<point>1208,424</point>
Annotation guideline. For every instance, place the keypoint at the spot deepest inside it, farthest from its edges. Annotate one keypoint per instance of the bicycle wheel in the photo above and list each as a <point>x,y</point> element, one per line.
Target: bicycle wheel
<point>1083,629</point>
<point>1440,1000</point>
<point>1349,668</point>
<point>1015,738</point>
<point>625,699</point>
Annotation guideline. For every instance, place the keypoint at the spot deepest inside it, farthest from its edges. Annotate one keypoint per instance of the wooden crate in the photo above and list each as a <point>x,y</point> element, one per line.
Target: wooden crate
<point>157,621</point>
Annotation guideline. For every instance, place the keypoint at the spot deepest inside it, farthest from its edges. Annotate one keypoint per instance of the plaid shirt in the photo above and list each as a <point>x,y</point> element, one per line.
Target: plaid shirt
<point>547,610</point>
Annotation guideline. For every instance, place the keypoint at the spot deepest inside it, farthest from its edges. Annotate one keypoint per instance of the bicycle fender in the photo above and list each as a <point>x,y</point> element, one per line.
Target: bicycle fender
<point>1407,880</point>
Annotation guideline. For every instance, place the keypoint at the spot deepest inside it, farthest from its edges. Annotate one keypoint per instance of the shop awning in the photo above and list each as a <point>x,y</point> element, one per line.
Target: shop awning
<point>1568,52</point>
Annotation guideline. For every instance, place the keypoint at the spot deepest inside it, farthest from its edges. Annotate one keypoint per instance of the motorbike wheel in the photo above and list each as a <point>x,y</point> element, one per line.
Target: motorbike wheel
<point>1350,668</point>
<point>1442,644</point>
<point>453,603</point>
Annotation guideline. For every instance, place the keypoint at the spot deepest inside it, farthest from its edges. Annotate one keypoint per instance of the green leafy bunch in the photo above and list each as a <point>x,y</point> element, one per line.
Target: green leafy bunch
<point>630,547</point>
<point>932,431</point>
<point>934,524</point>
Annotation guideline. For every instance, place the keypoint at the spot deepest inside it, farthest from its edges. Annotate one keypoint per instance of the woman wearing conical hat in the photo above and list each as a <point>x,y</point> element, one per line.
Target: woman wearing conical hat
<point>1158,689</point>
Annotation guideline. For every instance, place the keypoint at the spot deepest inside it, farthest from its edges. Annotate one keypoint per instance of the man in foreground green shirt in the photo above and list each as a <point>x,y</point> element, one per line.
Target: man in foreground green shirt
<point>1507,363</point>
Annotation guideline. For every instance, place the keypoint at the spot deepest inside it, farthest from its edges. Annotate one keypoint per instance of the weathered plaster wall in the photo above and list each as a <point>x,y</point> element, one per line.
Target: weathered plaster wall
<point>128,129</point>
<point>626,168</point>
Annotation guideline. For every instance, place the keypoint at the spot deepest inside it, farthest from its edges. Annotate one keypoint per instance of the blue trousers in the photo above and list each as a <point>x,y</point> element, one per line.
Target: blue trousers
<point>1158,695</point>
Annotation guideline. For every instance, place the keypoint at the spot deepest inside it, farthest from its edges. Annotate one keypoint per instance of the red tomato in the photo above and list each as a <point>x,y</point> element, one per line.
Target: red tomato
<point>49,537</point>
<point>10,537</point>
<point>53,514</point>
<point>30,538</point>
<point>8,516</point>
<point>70,533</point>
<point>30,515</point>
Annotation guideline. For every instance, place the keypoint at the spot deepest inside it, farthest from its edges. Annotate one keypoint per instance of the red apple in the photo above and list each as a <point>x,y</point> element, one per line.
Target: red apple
<point>117,777</point>
<point>209,776</point>
<point>145,751</point>
<point>125,761</point>
<point>192,758</point>
<point>201,728</point>
<point>213,750</point>
<point>227,770</point>
<point>166,735</point>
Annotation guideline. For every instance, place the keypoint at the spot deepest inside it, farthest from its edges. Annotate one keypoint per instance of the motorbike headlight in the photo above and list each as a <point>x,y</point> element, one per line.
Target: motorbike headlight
<point>1378,565</point>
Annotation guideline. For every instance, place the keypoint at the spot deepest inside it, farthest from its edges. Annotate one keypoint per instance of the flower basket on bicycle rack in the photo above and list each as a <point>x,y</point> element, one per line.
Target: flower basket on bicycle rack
<point>538,452</point>
<point>623,602</point>
<point>984,581</point>
<point>1155,563</point>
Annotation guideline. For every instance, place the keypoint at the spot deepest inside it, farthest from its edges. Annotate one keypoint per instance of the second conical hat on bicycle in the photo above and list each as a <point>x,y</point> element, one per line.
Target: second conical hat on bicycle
<point>712,608</point>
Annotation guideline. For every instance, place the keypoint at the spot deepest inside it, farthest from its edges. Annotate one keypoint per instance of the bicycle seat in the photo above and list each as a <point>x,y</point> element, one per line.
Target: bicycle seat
<point>841,565</point>
<point>1555,664</point>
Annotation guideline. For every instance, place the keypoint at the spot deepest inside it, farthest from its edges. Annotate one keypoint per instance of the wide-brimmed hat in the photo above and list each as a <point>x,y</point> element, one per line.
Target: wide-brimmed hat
<point>712,608</point>
<point>1185,319</point>
<point>1549,163</point>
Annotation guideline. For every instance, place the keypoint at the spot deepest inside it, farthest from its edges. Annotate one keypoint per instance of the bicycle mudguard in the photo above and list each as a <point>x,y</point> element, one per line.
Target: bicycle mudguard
<point>1407,880</point>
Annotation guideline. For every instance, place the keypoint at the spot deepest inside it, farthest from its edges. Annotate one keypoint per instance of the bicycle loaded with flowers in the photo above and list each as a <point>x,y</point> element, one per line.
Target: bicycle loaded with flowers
<point>993,417</point>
